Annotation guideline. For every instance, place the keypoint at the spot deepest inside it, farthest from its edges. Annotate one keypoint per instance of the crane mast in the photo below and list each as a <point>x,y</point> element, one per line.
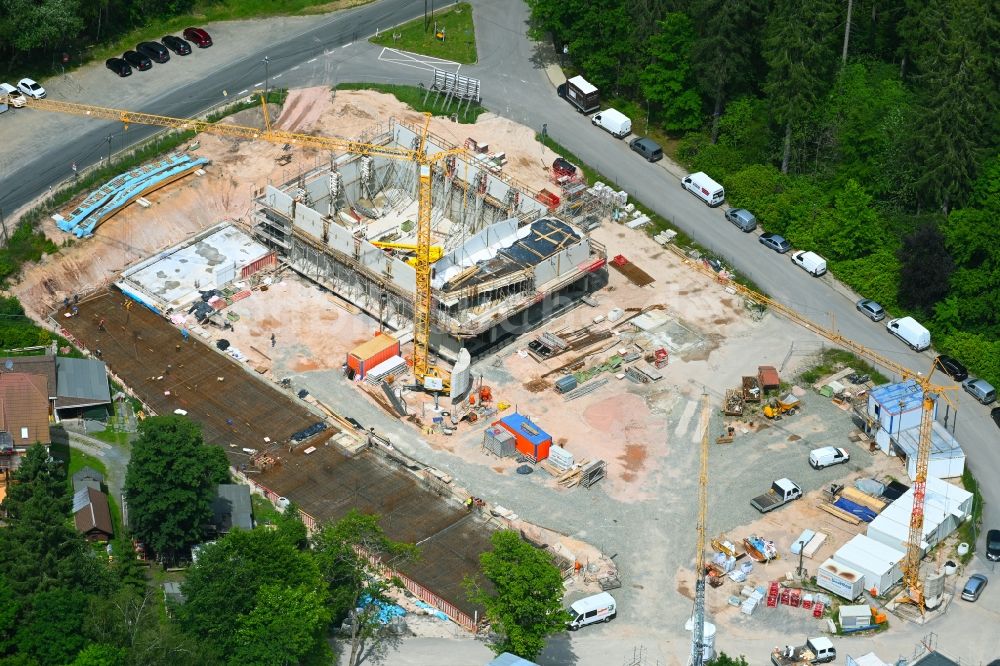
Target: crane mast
<point>422,296</point>
<point>698,628</point>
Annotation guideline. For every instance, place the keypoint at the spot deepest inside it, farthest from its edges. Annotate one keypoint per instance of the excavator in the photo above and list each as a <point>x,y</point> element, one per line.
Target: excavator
<point>436,252</point>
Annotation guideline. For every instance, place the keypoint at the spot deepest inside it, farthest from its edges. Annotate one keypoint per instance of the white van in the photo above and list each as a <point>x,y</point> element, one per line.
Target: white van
<point>597,608</point>
<point>909,331</point>
<point>828,455</point>
<point>810,262</point>
<point>704,188</point>
<point>613,121</point>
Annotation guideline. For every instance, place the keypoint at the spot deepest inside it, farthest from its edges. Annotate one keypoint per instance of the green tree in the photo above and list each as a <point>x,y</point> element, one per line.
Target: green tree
<point>668,80</point>
<point>526,605</point>
<point>926,269</point>
<point>725,660</point>
<point>355,585</point>
<point>955,119</point>
<point>97,654</point>
<point>287,625</point>
<point>52,630</point>
<point>170,483</point>
<point>724,49</point>
<point>854,228</point>
<point>222,589</point>
<point>799,47</point>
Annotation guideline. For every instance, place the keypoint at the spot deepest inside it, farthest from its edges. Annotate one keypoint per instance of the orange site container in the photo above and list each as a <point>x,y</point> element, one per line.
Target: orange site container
<point>368,354</point>
<point>529,439</point>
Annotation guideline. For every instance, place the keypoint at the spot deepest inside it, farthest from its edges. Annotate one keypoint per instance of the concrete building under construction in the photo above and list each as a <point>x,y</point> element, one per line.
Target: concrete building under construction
<point>505,260</point>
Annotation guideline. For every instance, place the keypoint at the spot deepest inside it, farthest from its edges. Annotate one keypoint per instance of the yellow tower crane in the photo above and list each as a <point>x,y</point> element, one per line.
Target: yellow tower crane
<point>698,628</point>
<point>931,394</point>
<point>427,375</point>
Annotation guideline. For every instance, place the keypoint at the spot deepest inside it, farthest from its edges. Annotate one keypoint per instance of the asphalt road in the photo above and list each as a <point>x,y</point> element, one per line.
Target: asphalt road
<point>515,85</point>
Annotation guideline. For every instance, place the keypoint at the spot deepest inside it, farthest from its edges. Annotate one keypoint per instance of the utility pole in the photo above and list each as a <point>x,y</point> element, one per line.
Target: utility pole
<point>110,139</point>
<point>266,61</point>
<point>847,31</point>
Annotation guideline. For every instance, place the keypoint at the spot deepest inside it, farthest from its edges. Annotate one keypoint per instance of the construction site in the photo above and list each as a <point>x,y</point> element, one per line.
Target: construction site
<point>431,322</point>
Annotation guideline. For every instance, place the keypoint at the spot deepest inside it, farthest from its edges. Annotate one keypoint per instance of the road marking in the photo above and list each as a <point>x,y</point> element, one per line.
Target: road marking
<point>276,76</point>
<point>685,420</point>
<point>259,83</point>
<point>417,61</point>
<point>313,60</point>
<point>242,92</point>
<point>296,67</point>
<point>346,45</point>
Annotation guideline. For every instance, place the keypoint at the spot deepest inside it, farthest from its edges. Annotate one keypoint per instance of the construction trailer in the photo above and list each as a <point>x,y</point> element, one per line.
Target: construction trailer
<point>370,353</point>
<point>529,439</point>
<point>842,580</point>
<point>893,408</point>
<point>508,262</point>
<point>880,564</point>
<point>946,506</point>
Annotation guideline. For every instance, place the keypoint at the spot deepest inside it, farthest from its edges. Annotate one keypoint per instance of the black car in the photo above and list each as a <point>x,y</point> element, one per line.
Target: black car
<point>154,51</point>
<point>177,45</point>
<point>995,415</point>
<point>137,60</point>
<point>118,66</point>
<point>993,545</point>
<point>952,367</point>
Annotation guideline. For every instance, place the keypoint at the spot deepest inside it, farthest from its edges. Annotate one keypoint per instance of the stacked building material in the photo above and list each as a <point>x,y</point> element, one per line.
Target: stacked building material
<point>394,366</point>
<point>560,458</point>
<point>593,473</point>
<point>499,441</point>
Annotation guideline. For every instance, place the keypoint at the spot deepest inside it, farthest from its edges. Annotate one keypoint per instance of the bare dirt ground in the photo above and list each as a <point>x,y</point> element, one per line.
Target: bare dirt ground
<point>238,169</point>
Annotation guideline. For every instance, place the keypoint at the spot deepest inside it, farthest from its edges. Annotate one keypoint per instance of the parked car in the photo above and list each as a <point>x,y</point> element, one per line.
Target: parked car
<point>137,60</point>
<point>647,148</point>
<point>154,51</point>
<point>742,218</point>
<point>993,541</point>
<point>951,367</point>
<point>870,309</point>
<point>177,45</point>
<point>198,36</point>
<point>15,98</point>
<point>31,88</point>
<point>118,66</point>
<point>995,414</point>
<point>775,242</point>
<point>980,389</point>
<point>974,587</point>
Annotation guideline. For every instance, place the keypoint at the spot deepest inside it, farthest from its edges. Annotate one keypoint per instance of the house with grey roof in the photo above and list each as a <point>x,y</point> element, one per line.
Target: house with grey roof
<point>75,386</point>
<point>232,508</point>
<point>88,477</point>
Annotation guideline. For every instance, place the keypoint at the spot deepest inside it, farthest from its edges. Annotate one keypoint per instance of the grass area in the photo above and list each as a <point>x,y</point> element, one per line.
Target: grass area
<point>414,97</point>
<point>454,39</point>
<point>658,224</point>
<point>833,360</point>
<point>968,531</point>
<point>264,512</point>
<point>75,460</point>
<point>111,436</point>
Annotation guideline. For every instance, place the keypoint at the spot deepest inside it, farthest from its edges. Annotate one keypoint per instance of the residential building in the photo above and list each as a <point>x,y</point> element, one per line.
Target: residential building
<point>92,514</point>
<point>24,415</point>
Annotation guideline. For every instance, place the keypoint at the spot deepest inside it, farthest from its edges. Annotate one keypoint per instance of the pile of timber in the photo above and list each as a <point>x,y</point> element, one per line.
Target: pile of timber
<point>846,516</point>
<point>864,499</point>
<point>585,472</point>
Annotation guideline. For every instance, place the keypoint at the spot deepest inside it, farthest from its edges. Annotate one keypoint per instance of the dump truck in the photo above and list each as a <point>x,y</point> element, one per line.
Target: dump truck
<point>782,492</point>
<point>815,651</point>
<point>776,407</point>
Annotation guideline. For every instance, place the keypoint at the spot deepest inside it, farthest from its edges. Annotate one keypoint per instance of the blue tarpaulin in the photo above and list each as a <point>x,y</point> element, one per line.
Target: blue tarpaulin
<point>386,611</point>
<point>862,512</point>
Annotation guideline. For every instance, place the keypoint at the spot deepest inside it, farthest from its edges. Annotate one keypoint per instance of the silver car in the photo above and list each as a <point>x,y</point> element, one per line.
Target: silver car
<point>742,218</point>
<point>870,309</point>
<point>980,389</point>
<point>974,587</point>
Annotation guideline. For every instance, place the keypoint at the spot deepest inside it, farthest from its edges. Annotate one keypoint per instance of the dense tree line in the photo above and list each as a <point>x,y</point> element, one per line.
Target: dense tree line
<point>867,131</point>
<point>37,29</point>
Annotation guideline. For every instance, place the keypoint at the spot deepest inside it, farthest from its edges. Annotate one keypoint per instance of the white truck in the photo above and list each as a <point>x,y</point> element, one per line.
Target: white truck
<point>15,98</point>
<point>703,187</point>
<point>613,121</point>
<point>810,262</point>
<point>782,492</point>
<point>909,331</point>
<point>815,651</point>
<point>590,610</point>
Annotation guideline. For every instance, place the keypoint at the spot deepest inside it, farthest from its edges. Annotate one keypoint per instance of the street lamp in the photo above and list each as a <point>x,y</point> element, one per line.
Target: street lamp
<point>565,52</point>
<point>266,61</point>
<point>802,545</point>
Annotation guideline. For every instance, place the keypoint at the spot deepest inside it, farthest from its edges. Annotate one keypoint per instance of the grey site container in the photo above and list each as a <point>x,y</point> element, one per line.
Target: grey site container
<point>566,384</point>
<point>499,441</point>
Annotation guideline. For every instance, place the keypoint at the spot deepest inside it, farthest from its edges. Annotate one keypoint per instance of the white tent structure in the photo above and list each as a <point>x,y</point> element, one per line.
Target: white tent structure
<point>946,506</point>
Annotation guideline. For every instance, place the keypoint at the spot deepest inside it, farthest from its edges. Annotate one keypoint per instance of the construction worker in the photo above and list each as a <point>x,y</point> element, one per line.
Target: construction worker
<point>272,340</point>
<point>100,325</point>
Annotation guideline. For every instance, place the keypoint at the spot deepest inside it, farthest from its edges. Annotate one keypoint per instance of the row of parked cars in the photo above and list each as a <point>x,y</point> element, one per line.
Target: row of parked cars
<point>906,329</point>
<point>146,53</point>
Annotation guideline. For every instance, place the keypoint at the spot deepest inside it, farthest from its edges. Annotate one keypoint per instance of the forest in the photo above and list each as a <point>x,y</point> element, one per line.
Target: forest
<point>866,130</point>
